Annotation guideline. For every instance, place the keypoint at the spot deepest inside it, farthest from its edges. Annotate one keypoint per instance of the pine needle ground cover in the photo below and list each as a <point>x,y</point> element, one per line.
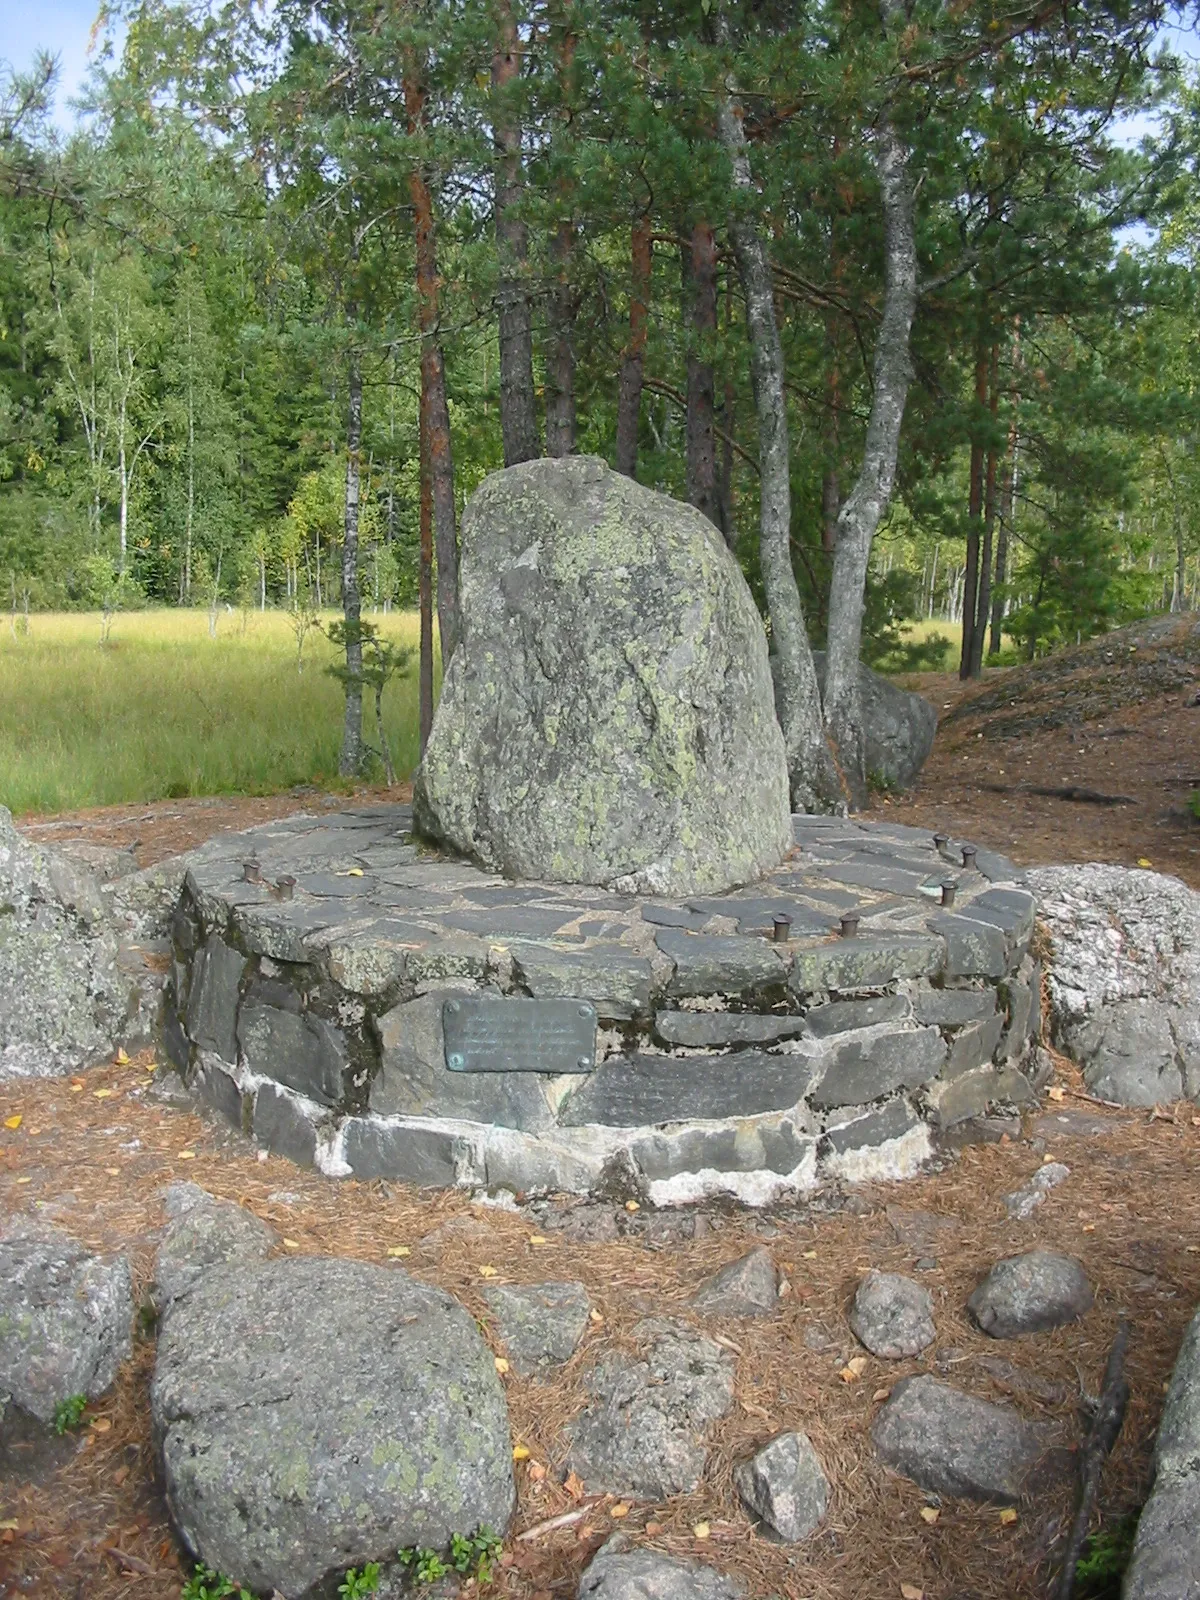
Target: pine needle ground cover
<point>164,710</point>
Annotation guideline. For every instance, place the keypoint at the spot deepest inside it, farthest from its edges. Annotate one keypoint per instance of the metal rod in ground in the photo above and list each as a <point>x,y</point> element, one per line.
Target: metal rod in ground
<point>1106,1426</point>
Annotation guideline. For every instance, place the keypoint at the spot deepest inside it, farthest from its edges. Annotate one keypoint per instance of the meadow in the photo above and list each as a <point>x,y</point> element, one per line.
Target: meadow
<point>162,710</point>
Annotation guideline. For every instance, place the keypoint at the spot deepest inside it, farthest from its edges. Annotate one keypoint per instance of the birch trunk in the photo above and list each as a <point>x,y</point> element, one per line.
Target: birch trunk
<point>350,762</point>
<point>868,499</point>
<point>518,411</point>
<point>813,776</point>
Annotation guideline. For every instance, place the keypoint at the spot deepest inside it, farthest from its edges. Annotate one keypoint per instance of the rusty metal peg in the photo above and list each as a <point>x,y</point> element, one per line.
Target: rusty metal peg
<point>286,888</point>
<point>949,890</point>
<point>782,927</point>
<point>850,925</point>
<point>252,872</point>
<point>968,853</point>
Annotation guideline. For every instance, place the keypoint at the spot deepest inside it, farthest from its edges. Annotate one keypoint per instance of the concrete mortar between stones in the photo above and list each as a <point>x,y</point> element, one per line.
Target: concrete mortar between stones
<point>306,993</point>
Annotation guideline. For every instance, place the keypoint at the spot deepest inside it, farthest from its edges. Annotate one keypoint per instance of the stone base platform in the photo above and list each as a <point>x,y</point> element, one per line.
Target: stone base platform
<point>363,1004</point>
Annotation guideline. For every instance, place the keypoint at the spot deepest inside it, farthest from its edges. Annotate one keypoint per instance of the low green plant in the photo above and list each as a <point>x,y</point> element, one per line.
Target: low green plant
<point>205,1584</point>
<point>1100,1568</point>
<point>68,1414</point>
<point>358,1584</point>
<point>475,1553</point>
<point>1193,803</point>
<point>427,1566</point>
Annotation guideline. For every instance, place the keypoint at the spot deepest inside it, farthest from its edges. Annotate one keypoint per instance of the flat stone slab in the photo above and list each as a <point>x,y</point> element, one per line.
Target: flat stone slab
<point>540,1323</point>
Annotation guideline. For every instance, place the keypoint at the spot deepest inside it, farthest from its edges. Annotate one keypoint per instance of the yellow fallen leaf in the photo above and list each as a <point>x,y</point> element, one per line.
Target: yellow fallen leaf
<point>619,1510</point>
<point>574,1486</point>
<point>113,1172</point>
<point>291,1244</point>
<point>12,1122</point>
<point>1055,1093</point>
<point>1089,1227</point>
<point>102,1094</point>
<point>700,1530</point>
<point>910,1591</point>
<point>1007,1517</point>
<point>520,1452</point>
<point>150,1066</point>
<point>488,1272</point>
<point>24,1180</point>
<point>100,1424</point>
<point>501,1365</point>
<point>1142,862</point>
<point>632,1205</point>
<point>398,1250</point>
<point>537,1238</point>
<point>881,1394</point>
<point>595,1315</point>
<point>187,1155</point>
<point>809,1255</point>
<point>354,872</point>
<point>76,1087</point>
<point>121,1059</point>
<point>929,1513</point>
<point>853,1370</point>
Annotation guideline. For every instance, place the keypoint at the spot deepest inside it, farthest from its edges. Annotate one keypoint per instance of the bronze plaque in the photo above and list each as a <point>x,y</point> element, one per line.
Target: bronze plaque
<point>492,1033</point>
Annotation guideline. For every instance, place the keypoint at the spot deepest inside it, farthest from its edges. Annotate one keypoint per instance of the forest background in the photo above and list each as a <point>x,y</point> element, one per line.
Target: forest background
<point>304,274</point>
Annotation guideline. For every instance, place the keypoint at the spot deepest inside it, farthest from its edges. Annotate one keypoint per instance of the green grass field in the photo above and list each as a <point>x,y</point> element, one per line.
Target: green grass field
<point>163,710</point>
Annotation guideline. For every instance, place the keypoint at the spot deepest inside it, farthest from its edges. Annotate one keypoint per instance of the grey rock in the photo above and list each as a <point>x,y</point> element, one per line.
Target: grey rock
<point>1023,1202</point>
<point>65,1318</point>
<point>216,1088</point>
<point>747,1287</point>
<point>954,1100</point>
<point>974,1045</point>
<point>870,962</point>
<point>617,982</point>
<point>973,949</point>
<point>213,998</point>
<point>540,1323</point>
<point>414,1080</point>
<point>1068,1123</point>
<point>764,1145</point>
<point>1165,1564</point>
<point>950,1443</point>
<point>898,726</point>
<point>429,1157</point>
<point>282,1124</point>
<point>1124,978</point>
<point>714,964</point>
<point>201,1235</point>
<point>316,1414</point>
<point>1010,910</point>
<point>842,1015</point>
<point>642,1431</point>
<point>785,1486</point>
<point>866,1068</point>
<point>700,1030</point>
<point>892,1316</point>
<point>638,1091</point>
<point>890,1121</point>
<point>618,1572</point>
<point>1029,1294</point>
<point>300,1050</point>
<point>609,715</point>
<point>952,1008</point>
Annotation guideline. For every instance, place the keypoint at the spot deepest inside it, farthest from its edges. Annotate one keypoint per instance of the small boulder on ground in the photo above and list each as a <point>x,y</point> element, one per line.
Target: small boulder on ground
<point>204,1232</point>
<point>785,1486</point>
<point>619,1572</point>
<point>1029,1294</point>
<point>65,1318</point>
<point>951,1443</point>
<point>893,1316</point>
<point>316,1414</point>
<point>642,1431</point>
<point>1023,1202</point>
<point>747,1287</point>
<point>540,1323</point>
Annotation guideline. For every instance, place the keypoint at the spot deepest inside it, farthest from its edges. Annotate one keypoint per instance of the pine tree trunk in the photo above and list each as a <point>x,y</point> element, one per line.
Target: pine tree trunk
<point>812,774</point>
<point>974,513</point>
<point>425,579</point>
<point>560,356</point>
<point>701,440</point>
<point>629,390</point>
<point>350,762</point>
<point>518,409</point>
<point>434,406</point>
<point>983,608</point>
<point>867,501</point>
<point>1007,499</point>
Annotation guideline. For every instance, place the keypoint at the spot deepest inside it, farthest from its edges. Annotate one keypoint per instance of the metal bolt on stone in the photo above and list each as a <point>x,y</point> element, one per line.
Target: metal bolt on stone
<point>783,928</point>
<point>286,888</point>
<point>455,1062</point>
<point>949,890</point>
<point>968,854</point>
<point>940,841</point>
<point>850,926</point>
<point>251,872</point>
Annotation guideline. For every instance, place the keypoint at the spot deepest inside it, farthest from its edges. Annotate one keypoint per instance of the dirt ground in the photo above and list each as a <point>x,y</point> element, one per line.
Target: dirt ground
<point>94,1154</point>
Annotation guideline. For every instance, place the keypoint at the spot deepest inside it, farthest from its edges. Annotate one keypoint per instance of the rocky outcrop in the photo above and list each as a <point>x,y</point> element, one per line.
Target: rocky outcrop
<point>1166,1553</point>
<point>898,727</point>
<point>609,715</point>
<point>1124,979</point>
<point>316,1414</point>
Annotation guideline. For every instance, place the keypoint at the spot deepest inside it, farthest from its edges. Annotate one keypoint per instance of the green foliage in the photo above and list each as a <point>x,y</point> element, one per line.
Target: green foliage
<point>68,1414</point>
<point>426,1566</point>
<point>359,1584</point>
<point>475,1554</point>
<point>1193,803</point>
<point>204,1584</point>
<point>1102,1565</point>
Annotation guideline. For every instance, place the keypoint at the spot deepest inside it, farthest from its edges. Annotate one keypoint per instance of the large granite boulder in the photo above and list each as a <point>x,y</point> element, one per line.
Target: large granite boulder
<point>608,716</point>
<point>316,1414</point>
<point>898,726</point>
<point>1165,1564</point>
<point>1124,978</point>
